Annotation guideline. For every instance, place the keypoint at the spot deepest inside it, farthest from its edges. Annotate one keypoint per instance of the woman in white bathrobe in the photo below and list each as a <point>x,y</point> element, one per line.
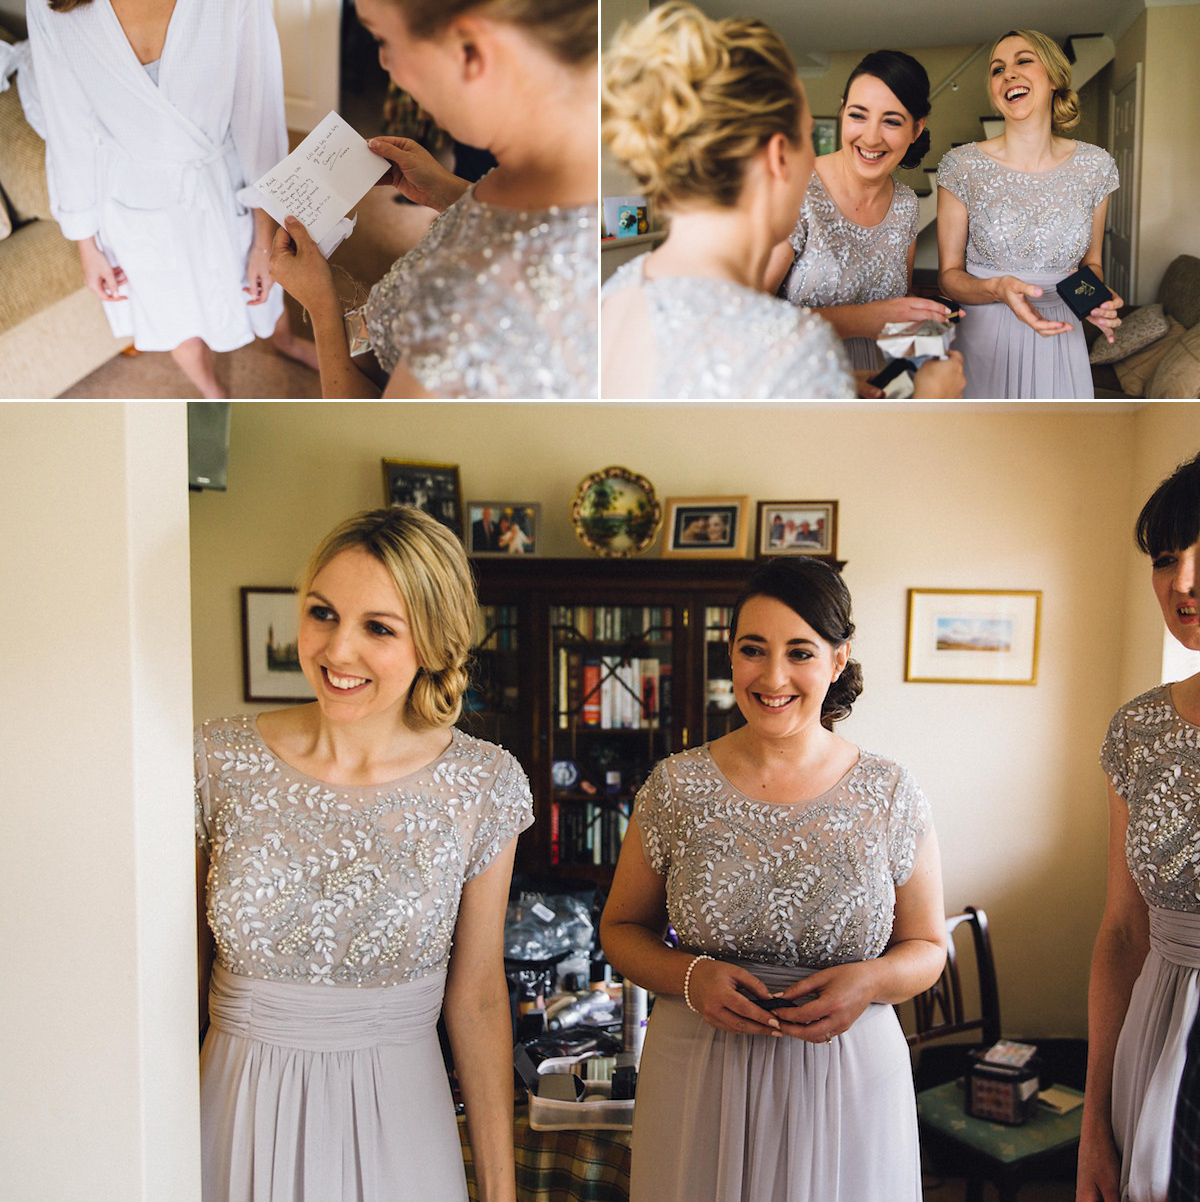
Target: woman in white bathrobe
<point>158,113</point>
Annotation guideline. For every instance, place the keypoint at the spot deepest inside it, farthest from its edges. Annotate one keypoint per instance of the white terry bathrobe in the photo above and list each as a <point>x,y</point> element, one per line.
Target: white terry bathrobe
<point>155,171</point>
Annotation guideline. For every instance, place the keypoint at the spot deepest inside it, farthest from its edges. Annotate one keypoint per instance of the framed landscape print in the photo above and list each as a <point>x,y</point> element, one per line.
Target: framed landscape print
<point>270,663</point>
<point>973,636</point>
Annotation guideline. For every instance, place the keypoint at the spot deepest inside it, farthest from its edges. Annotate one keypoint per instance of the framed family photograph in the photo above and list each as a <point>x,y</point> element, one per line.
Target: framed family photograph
<point>973,636</point>
<point>707,527</point>
<point>434,488</point>
<point>270,660</point>
<point>797,528</point>
<point>503,527</point>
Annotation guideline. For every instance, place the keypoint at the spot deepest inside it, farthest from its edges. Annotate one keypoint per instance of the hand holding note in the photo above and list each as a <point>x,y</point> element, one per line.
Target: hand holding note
<point>322,179</point>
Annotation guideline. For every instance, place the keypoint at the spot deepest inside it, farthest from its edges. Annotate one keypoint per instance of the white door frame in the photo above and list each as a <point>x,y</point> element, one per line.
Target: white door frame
<point>310,38</point>
<point>1124,209</point>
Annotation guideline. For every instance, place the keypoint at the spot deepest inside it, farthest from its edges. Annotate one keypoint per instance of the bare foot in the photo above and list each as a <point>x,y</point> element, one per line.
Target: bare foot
<point>292,347</point>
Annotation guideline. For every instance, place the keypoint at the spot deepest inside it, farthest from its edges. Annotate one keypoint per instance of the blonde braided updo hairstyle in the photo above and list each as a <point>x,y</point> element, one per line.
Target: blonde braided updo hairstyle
<point>1064,108</point>
<point>433,576</point>
<point>686,102</point>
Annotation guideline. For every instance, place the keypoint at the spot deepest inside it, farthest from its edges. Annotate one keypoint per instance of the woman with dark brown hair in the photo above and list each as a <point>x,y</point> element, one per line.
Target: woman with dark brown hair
<point>159,114</point>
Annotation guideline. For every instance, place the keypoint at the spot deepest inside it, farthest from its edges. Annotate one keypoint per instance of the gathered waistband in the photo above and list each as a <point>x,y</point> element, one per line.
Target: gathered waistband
<point>1043,279</point>
<point>320,1018</point>
<point>1175,935</point>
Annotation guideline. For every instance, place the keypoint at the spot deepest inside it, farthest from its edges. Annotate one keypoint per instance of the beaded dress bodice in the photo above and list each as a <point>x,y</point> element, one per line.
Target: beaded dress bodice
<point>494,302</point>
<point>1152,756</point>
<point>839,262</point>
<point>714,339</point>
<point>1037,221</point>
<point>803,886</point>
<point>345,885</point>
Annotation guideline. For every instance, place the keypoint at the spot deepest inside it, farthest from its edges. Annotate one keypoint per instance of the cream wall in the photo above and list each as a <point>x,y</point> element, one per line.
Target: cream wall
<point>1171,145</point>
<point>99,1093</point>
<point>977,497</point>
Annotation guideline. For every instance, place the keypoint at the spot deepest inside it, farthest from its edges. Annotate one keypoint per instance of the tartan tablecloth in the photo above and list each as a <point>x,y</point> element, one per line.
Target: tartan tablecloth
<point>562,1166</point>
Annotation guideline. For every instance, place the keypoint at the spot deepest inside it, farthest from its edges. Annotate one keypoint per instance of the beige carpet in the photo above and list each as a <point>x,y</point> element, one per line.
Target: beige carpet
<point>385,231</point>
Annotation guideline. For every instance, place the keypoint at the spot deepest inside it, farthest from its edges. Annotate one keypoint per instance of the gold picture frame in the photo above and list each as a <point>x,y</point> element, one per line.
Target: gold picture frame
<point>973,636</point>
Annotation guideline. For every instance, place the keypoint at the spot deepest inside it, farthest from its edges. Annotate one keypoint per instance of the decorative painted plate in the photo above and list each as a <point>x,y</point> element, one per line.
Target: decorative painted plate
<point>615,512</point>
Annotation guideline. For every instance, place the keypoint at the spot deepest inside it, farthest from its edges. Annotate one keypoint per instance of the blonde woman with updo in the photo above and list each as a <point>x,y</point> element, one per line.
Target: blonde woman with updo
<point>498,300</point>
<point>711,121</point>
<point>355,854</point>
<point>1017,213</point>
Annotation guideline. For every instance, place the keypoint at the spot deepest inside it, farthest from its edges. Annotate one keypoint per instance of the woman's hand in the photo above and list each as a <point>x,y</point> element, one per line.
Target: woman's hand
<point>863,385</point>
<point>843,993</point>
<point>940,377</point>
<point>258,273</point>
<point>417,175</point>
<point>1105,316</point>
<point>297,263</point>
<point>1099,1175</point>
<point>713,989</point>
<point>1013,292</point>
<point>909,308</point>
<point>99,274</point>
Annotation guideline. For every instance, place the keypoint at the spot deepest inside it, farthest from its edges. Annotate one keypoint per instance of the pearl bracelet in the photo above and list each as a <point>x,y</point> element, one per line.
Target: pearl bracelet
<point>687,980</point>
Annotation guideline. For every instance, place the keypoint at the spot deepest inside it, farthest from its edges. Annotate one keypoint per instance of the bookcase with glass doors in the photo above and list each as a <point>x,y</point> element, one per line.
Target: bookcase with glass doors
<point>591,671</point>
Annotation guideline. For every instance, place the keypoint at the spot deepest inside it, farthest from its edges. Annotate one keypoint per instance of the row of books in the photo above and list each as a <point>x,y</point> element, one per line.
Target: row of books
<point>497,628</point>
<point>614,623</point>
<point>612,692</point>
<point>586,833</point>
<point>716,623</point>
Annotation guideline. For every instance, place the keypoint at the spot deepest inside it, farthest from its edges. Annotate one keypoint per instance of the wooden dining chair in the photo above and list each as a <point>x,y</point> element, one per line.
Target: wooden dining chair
<point>947,1022</point>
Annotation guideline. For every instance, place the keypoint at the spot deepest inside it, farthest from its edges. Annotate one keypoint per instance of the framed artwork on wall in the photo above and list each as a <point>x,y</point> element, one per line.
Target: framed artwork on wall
<point>973,636</point>
<point>270,663</point>
<point>797,528</point>
<point>825,135</point>
<point>433,488</point>
<point>707,527</point>
<point>503,527</point>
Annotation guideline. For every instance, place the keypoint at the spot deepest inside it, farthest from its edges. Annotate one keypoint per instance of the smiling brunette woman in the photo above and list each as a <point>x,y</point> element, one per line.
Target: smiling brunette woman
<point>796,869</point>
<point>1144,992</point>
<point>1017,213</point>
<point>850,256</point>
<point>356,854</point>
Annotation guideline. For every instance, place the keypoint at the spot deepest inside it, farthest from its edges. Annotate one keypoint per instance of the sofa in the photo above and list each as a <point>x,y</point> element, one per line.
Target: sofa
<point>53,331</point>
<point>1156,351</point>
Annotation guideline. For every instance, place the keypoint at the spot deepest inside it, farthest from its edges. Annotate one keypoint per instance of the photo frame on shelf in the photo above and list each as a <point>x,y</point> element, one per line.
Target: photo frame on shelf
<point>707,527</point>
<point>503,528</point>
<point>270,630</point>
<point>434,488</point>
<point>625,216</point>
<point>973,636</point>
<point>825,135</point>
<point>797,528</point>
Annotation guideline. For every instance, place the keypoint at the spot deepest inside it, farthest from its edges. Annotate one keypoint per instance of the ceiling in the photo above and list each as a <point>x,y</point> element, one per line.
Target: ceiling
<point>813,28</point>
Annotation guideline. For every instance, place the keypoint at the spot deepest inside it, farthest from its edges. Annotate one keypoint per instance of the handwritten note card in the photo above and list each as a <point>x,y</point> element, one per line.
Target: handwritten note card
<point>323,178</point>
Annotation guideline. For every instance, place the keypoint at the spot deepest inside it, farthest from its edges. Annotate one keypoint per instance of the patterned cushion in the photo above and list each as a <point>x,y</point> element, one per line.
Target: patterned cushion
<point>1138,330</point>
<point>1138,369</point>
<point>1180,290</point>
<point>1178,372</point>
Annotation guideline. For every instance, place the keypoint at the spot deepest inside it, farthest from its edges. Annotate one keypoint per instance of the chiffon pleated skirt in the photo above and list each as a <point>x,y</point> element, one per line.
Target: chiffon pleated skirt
<point>314,1093</point>
<point>1005,359</point>
<point>1151,1051</point>
<point>754,1118</point>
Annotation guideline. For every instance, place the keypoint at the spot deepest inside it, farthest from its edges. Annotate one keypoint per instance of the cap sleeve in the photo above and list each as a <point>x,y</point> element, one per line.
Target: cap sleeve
<point>914,218</point>
<point>1109,177</point>
<point>202,793</point>
<point>1114,755</point>
<point>507,811</point>
<point>908,824</point>
<point>952,176</point>
<point>652,809</point>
